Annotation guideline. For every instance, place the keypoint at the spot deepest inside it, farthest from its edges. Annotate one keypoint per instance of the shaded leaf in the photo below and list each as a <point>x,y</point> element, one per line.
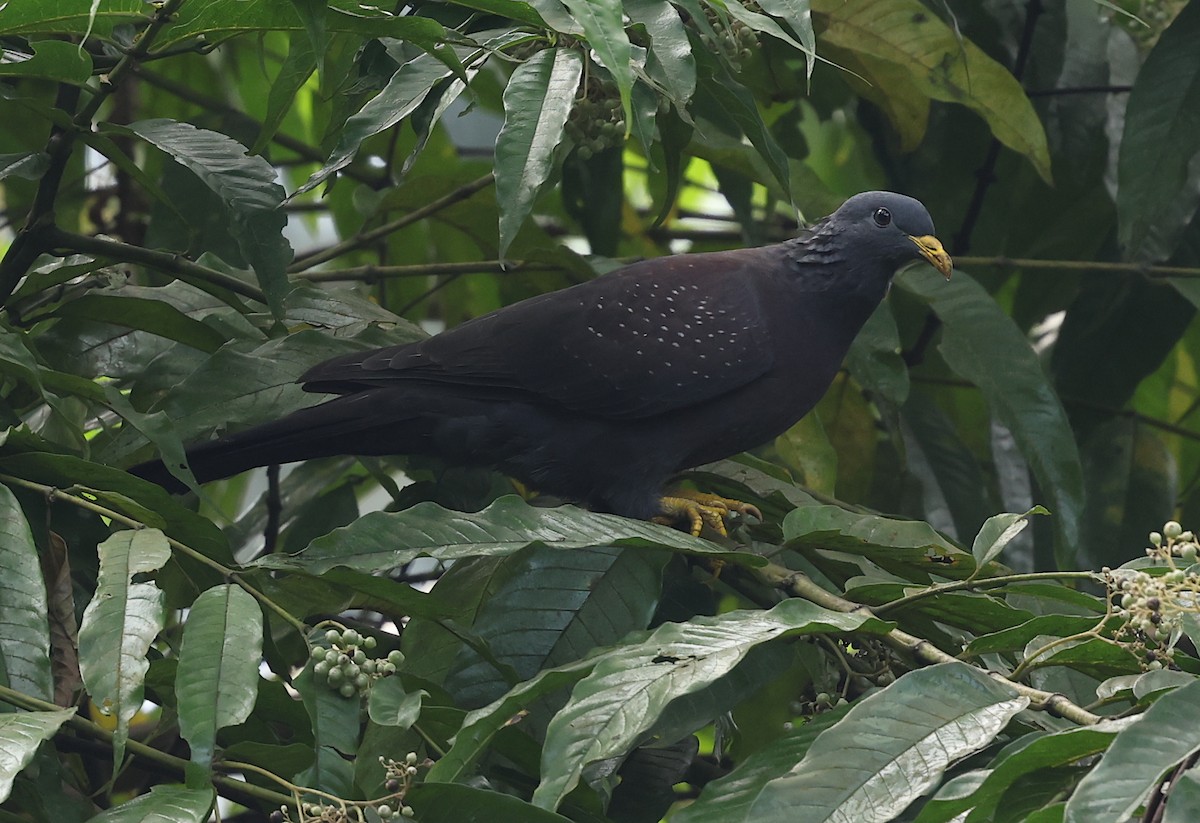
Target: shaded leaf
<point>246,185</point>
<point>164,804</point>
<point>1156,195</point>
<point>982,344</point>
<point>24,630</point>
<point>997,532</point>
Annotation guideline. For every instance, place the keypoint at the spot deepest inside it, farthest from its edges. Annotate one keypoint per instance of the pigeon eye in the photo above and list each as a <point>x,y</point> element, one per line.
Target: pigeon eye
<point>883,217</point>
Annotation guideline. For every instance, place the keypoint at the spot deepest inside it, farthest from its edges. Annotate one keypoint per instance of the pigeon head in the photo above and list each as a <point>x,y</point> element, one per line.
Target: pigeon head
<point>889,228</point>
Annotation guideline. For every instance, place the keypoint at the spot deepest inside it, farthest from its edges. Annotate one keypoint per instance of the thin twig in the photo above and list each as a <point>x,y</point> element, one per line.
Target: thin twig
<point>366,238</point>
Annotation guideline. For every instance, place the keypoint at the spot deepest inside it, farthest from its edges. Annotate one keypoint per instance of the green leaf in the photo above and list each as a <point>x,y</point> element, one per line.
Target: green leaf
<point>297,67</point>
<point>387,540</point>
<point>247,187</point>
<point>798,15</point>
<point>51,60</point>
<point>891,747</point>
<point>217,681</point>
<point>731,799</point>
<point>24,630</point>
<point>1156,195</point>
<point>1166,735</point>
<point>1018,637</point>
<point>154,316</point>
<point>164,804</point>
<point>604,29</point>
<point>554,607</point>
<point>982,344</point>
<point>98,19</point>
<point>912,41</point>
<point>653,666</point>
<point>997,532</point>
<point>447,803</point>
<point>390,705</point>
<point>407,88</point>
<point>30,165</point>
<point>537,100</point>
<point>1183,806</point>
<point>631,686</point>
<point>20,735</point>
<point>217,19</point>
<point>1030,754</point>
<point>670,60</point>
<point>119,624</point>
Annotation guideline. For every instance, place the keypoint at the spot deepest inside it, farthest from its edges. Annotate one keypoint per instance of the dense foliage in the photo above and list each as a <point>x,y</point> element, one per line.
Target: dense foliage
<point>202,198</point>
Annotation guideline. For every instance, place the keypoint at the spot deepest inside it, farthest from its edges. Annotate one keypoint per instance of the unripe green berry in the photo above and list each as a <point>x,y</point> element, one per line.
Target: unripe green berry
<point>395,657</point>
<point>333,636</point>
<point>361,681</point>
<point>350,637</point>
<point>321,669</point>
<point>410,758</point>
<point>347,690</point>
<point>1155,539</point>
<point>317,653</point>
<point>1172,530</point>
<point>336,676</point>
<point>369,643</point>
<point>385,811</point>
<point>408,811</point>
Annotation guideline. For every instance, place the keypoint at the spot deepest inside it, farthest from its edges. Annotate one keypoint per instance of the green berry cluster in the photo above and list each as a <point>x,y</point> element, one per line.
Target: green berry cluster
<point>346,667</point>
<point>732,38</point>
<point>1152,606</point>
<point>399,778</point>
<point>597,121</point>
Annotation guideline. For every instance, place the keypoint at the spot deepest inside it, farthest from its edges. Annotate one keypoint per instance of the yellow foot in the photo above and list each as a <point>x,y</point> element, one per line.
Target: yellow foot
<point>700,510</point>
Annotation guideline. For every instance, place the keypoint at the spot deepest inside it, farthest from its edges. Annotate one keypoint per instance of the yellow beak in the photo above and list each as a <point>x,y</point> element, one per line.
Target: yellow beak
<point>931,249</point>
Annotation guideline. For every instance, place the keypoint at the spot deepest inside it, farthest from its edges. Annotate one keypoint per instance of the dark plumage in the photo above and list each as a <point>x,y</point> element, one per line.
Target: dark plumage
<point>601,392</point>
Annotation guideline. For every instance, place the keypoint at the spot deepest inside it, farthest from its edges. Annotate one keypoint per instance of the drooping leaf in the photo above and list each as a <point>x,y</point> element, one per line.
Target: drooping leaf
<point>119,624</point>
<point>246,185</point>
<point>604,29</point>
<point>216,684</point>
<point>537,101</point>
<point>1156,194</point>
<point>914,42</point>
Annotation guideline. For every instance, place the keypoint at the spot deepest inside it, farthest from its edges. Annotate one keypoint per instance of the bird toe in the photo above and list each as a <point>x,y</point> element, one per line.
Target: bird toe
<point>698,510</point>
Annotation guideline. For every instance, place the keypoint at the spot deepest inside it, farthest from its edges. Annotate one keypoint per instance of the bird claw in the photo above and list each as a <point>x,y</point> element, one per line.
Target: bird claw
<point>702,510</point>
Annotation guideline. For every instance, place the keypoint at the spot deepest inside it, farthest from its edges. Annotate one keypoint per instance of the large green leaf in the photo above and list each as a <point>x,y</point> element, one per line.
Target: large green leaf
<point>604,29</point>
<point>164,804</point>
<point>51,60</point>
<point>118,625</point>
<point>554,607</point>
<point>1167,734</point>
<point>537,101</point>
<point>69,17</point>
<point>1156,194</point>
<point>215,19</point>
<point>407,88</point>
<point>982,344</point>
<point>890,748</point>
<point>216,683</point>
<point>631,686</point>
<point>24,631</point>
<point>670,61</point>
<point>21,733</point>
<point>448,803</point>
<point>910,39</point>
<point>246,186</point>
<point>652,668</point>
<point>731,799</point>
